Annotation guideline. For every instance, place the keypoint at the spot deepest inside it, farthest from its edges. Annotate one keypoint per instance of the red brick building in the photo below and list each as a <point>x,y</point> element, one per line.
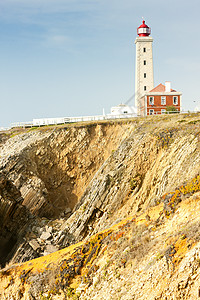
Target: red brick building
<point>158,99</point>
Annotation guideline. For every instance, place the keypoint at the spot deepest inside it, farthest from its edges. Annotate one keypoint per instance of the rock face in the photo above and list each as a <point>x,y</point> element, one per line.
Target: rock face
<point>63,185</point>
<point>150,162</point>
<point>47,171</point>
<point>14,218</point>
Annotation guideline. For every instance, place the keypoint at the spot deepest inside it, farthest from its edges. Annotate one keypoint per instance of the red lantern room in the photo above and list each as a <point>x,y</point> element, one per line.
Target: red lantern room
<point>144,30</point>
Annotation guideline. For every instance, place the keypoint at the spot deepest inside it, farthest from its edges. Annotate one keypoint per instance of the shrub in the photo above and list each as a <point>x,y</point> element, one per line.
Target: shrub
<point>171,109</point>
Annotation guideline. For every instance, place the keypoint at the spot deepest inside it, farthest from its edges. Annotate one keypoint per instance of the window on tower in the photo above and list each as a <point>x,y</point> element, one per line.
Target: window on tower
<point>144,49</point>
<point>145,75</point>
<point>145,88</point>
<point>145,62</point>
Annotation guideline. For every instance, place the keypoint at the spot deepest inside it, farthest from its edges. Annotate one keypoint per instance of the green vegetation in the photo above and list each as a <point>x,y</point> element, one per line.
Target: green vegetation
<point>171,109</point>
<point>193,121</point>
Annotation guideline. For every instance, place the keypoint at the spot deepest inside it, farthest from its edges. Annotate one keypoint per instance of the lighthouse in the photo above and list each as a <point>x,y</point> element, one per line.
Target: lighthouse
<point>144,80</point>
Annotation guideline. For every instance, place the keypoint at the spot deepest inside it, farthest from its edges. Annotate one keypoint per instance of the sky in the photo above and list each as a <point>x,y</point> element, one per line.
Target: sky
<point>61,58</point>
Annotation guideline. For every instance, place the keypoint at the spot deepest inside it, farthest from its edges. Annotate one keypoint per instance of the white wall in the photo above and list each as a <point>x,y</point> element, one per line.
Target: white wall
<point>123,109</point>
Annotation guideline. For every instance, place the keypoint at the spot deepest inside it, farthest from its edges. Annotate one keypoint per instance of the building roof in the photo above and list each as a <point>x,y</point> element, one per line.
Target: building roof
<point>160,88</point>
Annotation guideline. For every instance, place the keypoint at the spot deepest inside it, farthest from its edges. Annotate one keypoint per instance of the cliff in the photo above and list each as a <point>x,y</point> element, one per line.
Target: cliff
<point>104,210</point>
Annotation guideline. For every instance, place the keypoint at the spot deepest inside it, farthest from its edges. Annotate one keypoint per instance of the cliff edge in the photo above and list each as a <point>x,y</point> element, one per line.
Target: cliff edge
<point>104,210</point>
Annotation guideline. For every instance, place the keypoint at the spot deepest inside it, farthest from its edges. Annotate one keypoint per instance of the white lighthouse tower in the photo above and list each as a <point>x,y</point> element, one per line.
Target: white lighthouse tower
<point>144,81</point>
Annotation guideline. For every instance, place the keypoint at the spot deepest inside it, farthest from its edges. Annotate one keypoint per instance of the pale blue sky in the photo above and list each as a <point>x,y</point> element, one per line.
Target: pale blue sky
<point>76,57</point>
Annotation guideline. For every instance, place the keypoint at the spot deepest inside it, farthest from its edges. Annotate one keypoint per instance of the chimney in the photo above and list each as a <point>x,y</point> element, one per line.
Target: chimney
<point>167,86</point>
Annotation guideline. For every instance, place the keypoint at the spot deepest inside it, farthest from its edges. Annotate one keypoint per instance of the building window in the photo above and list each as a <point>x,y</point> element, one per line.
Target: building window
<point>145,75</point>
<point>151,100</point>
<point>151,112</point>
<point>175,100</point>
<point>145,88</point>
<point>163,100</point>
<point>145,62</point>
<point>125,112</point>
<point>163,111</point>
<point>144,49</point>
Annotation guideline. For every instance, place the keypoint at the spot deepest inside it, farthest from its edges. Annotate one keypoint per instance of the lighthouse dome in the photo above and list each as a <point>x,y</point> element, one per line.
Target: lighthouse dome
<point>143,30</point>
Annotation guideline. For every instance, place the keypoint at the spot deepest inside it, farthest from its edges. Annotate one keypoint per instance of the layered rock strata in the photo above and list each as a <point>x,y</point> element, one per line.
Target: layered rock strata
<point>62,185</point>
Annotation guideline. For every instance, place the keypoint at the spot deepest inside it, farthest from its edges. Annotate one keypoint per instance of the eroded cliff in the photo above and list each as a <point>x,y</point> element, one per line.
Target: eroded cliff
<point>50,170</point>
<point>70,184</point>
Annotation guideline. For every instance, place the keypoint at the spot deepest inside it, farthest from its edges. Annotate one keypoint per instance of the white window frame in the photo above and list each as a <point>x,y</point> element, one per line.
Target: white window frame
<point>163,100</point>
<point>163,111</point>
<point>151,98</point>
<point>175,100</point>
<point>151,112</point>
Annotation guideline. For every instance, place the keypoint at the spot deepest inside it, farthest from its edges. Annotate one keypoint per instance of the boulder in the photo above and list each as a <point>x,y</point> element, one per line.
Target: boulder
<point>45,235</point>
<point>34,244</point>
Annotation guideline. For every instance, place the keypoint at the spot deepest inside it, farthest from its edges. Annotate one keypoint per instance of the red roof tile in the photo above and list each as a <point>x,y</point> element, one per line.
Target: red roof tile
<point>160,88</point>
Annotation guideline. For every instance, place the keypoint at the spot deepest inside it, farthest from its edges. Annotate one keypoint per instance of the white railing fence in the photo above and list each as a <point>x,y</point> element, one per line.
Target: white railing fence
<point>66,120</point>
